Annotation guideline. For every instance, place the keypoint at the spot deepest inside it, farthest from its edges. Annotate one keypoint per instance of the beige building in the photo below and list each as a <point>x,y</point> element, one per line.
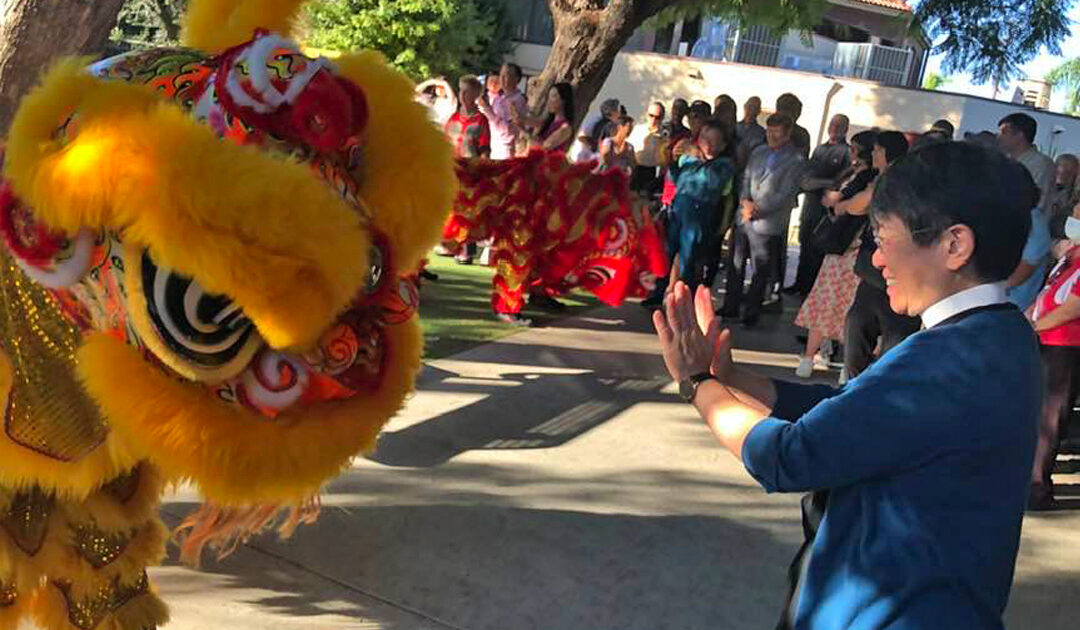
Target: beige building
<point>865,39</point>
<point>1035,93</point>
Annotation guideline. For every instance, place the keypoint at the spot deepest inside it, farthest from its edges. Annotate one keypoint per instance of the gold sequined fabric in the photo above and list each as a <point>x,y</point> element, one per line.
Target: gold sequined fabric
<point>99,548</point>
<point>8,595</point>
<point>88,613</point>
<point>27,520</point>
<point>47,410</point>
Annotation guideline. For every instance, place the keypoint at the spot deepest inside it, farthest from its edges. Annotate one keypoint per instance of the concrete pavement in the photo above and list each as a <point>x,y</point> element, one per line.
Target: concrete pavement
<point>550,481</point>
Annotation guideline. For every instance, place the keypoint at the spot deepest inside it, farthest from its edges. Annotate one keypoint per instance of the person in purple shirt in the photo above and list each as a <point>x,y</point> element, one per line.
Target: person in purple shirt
<point>927,455</point>
<point>504,112</point>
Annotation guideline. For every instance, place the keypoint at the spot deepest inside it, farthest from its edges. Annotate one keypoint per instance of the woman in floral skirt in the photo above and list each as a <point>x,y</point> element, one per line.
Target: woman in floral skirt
<point>824,311</point>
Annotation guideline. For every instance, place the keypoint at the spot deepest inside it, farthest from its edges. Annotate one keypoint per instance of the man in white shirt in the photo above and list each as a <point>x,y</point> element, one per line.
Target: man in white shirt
<point>501,113</point>
<point>650,157</point>
<point>1017,139</point>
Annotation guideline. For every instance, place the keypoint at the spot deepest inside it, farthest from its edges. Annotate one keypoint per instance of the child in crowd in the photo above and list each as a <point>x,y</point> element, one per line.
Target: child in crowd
<point>468,128</point>
<point>470,135</point>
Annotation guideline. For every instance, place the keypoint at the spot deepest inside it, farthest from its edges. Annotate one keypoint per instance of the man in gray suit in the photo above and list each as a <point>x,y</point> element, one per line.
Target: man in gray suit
<point>769,192</point>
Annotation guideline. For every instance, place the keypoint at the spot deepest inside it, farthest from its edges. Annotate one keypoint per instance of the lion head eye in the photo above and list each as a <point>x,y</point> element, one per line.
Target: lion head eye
<point>208,331</point>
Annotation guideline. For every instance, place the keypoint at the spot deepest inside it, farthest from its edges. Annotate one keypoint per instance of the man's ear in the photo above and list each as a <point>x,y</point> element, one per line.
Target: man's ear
<point>958,246</point>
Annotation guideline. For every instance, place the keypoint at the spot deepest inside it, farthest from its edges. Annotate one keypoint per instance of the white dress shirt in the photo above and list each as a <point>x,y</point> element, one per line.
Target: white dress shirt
<point>966,300</point>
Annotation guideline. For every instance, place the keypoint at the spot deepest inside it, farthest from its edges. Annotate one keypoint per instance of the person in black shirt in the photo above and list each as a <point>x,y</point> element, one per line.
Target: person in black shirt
<point>676,127</point>
<point>870,315</point>
<point>790,104</point>
<point>831,159</point>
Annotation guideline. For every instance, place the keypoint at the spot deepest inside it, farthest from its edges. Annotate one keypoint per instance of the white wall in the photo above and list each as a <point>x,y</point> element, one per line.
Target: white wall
<point>639,78</point>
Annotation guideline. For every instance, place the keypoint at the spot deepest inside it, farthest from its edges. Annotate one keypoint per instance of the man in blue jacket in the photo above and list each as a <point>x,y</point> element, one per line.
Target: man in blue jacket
<point>926,455</point>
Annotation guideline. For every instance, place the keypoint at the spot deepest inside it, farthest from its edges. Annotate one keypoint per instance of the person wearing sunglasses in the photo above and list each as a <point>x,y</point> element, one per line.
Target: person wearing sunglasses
<point>646,180</point>
<point>927,455</point>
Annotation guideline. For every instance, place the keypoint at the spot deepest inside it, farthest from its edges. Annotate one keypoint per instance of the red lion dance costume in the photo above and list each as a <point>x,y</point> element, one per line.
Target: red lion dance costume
<point>203,282</point>
<point>556,226</point>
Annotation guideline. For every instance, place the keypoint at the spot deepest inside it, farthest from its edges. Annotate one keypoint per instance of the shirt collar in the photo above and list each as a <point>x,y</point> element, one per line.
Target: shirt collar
<point>966,300</point>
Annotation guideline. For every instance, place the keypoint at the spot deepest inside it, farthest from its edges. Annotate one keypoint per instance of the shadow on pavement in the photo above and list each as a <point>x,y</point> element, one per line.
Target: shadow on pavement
<point>542,411</point>
<point>495,568</point>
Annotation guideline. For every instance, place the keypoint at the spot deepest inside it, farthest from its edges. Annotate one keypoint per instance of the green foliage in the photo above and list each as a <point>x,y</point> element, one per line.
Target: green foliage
<point>148,23</point>
<point>934,81</point>
<point>423,38</point>
<point>1067,76</point>
<point>992,40</point>
<point>781,15</point>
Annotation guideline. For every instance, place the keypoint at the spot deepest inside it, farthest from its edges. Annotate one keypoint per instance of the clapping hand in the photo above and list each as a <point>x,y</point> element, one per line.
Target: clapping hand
<point>690,336</point>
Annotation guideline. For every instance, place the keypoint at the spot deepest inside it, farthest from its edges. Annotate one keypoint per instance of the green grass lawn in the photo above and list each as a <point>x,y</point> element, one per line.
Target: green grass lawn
<point>456,311</point>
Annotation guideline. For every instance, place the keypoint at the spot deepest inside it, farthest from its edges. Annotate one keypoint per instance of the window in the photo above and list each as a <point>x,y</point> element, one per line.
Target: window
<point>691,31</point>
<point>841,32</point>
<point>664,37</point>
<point>532,22</point>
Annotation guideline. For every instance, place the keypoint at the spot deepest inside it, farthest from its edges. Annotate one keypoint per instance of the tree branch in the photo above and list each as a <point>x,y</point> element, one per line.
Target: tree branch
<point>168,19</point>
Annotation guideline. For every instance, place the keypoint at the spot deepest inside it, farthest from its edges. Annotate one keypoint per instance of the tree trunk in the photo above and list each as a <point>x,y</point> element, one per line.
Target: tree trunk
<point>35,32</point>
<point>588,35</point>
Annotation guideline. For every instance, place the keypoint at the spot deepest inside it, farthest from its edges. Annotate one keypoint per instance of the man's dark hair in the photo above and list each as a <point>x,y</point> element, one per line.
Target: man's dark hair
<point>945,127</point>
<point>609,107</point>
<point>780,120</point>
<point>701,109</point>
<point>959,183</point>
<point>516,69</point>
<point>864,142</point>
<point>1023,123</point>
<point>894,143</point>
<point>984,139</point>
<point>934,136</point>
<point>789,104</point>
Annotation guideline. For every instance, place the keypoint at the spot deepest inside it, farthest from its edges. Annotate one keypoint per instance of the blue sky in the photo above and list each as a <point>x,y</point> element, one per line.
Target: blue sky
<point>1035,69</point>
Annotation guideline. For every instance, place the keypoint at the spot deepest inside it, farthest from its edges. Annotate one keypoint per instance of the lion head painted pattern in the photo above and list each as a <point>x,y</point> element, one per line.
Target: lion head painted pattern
<point>231,229</point>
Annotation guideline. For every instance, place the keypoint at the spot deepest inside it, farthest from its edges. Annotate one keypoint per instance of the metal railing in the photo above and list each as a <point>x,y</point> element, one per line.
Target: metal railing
<point>757,45</point>
<point>873,62</point>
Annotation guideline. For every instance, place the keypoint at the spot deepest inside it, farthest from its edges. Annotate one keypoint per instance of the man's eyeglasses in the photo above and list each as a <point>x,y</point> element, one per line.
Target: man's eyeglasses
<point>656,116</point>
<point>878,241</point>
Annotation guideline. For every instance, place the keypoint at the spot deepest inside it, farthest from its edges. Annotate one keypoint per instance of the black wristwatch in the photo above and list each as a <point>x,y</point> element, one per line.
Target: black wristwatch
<point>688,387</point>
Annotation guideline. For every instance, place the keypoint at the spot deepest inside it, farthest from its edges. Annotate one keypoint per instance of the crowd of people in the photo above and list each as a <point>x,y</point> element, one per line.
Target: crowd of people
<point>725,188</point>
<point>744,208</point>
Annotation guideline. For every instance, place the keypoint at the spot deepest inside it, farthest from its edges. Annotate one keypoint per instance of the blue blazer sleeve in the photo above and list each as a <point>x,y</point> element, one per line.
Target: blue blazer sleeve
<point>794,399</point>
<point>890,418</point>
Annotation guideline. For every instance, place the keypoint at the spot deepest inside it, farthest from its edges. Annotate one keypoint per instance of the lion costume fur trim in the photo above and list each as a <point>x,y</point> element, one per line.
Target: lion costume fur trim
<point>145,167</point>
<point>236,457</point>
<point>214,25</point>
<point>410,186</point>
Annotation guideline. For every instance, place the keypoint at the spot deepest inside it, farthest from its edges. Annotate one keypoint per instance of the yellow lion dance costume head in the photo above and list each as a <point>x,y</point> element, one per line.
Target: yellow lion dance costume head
<point>205,281</point>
